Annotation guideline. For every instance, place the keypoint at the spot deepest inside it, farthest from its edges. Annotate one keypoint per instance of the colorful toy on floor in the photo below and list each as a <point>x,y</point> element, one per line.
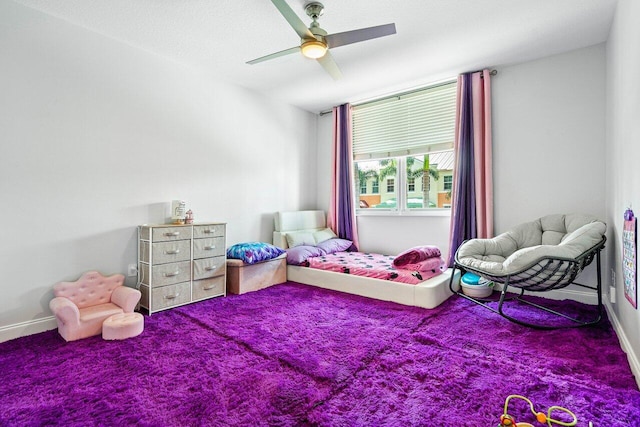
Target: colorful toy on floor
<point>507,420</point>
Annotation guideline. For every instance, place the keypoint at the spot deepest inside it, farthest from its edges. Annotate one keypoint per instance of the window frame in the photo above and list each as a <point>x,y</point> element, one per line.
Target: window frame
<point>401,209</point>
<point>378,135</point>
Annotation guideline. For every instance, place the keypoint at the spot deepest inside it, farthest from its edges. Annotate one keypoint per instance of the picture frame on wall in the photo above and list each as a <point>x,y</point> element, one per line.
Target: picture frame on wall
<point>629,258</point>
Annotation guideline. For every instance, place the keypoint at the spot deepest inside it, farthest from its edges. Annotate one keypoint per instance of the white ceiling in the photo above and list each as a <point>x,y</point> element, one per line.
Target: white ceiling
<point>435,40</point>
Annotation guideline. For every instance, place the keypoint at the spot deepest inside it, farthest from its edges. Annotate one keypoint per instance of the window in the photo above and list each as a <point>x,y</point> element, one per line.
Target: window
<point>391,185</point>
<point>406,139</point>
<point>363,187</point>
<point>448,182</point>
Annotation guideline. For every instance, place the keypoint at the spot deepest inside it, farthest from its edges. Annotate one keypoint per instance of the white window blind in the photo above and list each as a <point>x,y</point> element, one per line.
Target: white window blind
<point>414,123</point>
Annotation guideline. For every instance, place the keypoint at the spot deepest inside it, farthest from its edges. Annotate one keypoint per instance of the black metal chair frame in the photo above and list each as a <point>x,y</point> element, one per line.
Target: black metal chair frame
<point>543,275</point>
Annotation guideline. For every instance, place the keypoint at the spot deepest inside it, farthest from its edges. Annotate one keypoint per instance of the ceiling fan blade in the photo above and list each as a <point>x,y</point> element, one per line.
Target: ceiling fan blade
<point>330,66</point>
<point>355,36</point>
<point>293,19</point>
<point>275,55</point>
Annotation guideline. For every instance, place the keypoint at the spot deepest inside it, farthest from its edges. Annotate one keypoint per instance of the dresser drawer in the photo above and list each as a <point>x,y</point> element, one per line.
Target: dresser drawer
<point>168,296</point>
<point>165,234</point>
<point>178,264</point>
<point>208,230</point>
<point>208,288</point>
<point>162,253</point>
<point>206,248</point>
<point>208,267</point>
<point>167,274</point>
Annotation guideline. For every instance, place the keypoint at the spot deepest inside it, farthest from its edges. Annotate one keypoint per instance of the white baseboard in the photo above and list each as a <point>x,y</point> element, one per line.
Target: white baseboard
<point>29,327</point>
<point>634,359</point>
<point>585,297</point>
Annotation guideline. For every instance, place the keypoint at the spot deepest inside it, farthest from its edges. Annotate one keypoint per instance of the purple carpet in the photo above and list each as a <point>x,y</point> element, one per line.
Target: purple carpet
<point>294,355</point>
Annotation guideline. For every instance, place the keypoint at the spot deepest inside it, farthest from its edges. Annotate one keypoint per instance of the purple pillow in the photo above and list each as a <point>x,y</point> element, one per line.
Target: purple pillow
<point>299,254</point>
<point>335,245</point>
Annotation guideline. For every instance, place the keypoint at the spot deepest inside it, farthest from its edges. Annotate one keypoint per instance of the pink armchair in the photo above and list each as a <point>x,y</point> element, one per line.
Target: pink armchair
<point>82,306</point>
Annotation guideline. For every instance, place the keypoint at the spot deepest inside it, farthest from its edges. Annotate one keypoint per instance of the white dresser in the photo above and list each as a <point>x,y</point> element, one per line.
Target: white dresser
<point>179,264</point>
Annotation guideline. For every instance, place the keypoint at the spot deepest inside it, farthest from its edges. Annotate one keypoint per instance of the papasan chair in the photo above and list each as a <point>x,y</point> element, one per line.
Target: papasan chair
<point>536,256</point>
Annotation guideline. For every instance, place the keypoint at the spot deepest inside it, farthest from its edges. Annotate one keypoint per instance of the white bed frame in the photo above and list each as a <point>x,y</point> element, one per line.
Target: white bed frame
<point>428,294</point>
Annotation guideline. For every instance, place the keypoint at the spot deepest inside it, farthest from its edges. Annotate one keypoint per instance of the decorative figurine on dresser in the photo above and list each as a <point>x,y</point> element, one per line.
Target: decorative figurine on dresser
<point>179,264</point>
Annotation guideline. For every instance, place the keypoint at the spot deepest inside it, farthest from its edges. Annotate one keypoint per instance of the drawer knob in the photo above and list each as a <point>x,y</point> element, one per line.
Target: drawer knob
<point>210,230</point>
<point>173,252</point>
<point>211,268</point>
<point>209,248</point>
<point>208,288</point>
<point>175,273</point>
<point>174,234</point>
<point>174,296</point>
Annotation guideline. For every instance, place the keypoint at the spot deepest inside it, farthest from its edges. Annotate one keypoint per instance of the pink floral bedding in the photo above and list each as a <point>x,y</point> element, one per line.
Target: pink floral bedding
<point>373,265</point>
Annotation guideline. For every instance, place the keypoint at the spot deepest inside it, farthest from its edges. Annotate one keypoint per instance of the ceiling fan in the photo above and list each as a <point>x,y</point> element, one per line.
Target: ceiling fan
<point>315,42</point>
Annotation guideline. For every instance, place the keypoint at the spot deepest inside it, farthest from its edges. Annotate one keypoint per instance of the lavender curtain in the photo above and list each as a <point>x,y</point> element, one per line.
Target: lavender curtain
<point>342,215</point>
<point>472,196</point>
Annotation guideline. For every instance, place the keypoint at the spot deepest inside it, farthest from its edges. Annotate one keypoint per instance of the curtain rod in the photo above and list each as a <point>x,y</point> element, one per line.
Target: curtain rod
<point>396,95</point>
<point>491,73</point>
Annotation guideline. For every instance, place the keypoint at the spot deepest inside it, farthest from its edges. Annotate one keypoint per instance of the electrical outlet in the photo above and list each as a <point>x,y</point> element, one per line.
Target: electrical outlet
<point>612,287</point>
<point>133,270</point>
<point>613,278</point>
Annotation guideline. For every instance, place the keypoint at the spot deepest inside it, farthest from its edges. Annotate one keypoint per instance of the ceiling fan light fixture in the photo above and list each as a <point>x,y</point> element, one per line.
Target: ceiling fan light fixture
<point>313,49</point>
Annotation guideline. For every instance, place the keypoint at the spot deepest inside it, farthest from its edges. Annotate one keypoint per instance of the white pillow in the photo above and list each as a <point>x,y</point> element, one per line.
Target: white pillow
<point>322,235</point>
<point>299,238</point>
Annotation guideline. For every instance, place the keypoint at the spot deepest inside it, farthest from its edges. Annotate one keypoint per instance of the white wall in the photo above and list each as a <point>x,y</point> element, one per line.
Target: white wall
<point>97,137</point>
<point>623,155</point>
<point>548,139</point>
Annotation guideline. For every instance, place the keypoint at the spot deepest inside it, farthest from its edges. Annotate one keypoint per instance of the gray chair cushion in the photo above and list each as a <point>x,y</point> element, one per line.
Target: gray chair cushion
<point>557,236</point>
